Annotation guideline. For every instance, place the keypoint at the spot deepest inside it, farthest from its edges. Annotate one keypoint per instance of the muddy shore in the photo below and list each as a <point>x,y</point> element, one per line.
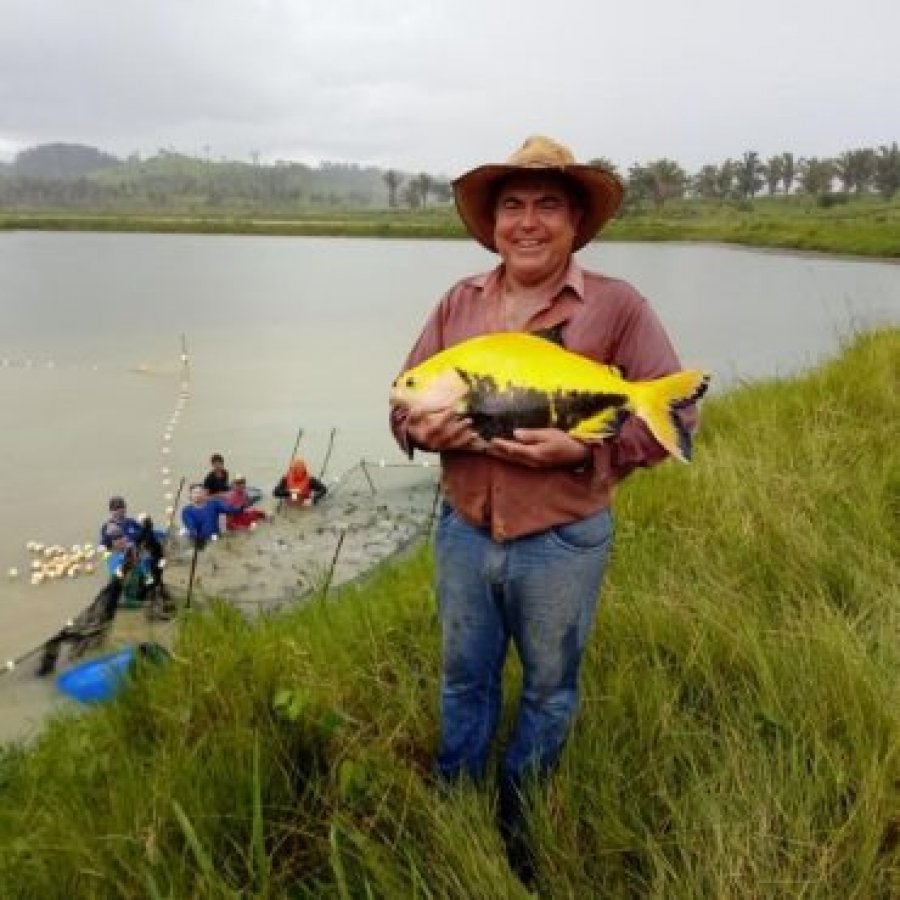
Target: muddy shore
<point>295,554</point>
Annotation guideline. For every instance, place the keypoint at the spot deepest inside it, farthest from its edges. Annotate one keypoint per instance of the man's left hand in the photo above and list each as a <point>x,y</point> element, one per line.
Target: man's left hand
<point>540,448</point>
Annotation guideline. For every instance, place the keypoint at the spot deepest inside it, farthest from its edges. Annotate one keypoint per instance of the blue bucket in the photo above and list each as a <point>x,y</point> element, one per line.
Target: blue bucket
<point>97,679</point>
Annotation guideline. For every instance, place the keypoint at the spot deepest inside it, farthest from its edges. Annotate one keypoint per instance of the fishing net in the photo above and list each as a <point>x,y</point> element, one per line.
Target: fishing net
<point>371,513</point>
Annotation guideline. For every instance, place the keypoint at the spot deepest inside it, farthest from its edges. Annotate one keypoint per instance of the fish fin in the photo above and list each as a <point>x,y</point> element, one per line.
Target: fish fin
<point>553,334</point>
<point>602,426</point>
<point>655,403</point>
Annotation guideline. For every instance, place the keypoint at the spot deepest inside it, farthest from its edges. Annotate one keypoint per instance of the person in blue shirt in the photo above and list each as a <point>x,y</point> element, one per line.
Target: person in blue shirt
<point>202,518</point>
<point>119,520</point>
<point>118,547</point>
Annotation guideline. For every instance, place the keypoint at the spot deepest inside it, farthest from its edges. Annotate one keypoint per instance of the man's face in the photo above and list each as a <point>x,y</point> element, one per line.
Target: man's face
<point>534,228</point>
<point>117,514</point>
<point>198,496</point>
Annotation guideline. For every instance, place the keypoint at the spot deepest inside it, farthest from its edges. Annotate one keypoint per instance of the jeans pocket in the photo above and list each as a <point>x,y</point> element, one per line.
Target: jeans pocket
<point>584,535</point>
<point>446,512</point>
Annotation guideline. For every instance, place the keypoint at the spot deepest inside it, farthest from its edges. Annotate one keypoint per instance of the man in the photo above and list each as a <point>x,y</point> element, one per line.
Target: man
<point>202,517</point>
<point>525,530</point>
<point>216,481</point>
<point>119,521</point>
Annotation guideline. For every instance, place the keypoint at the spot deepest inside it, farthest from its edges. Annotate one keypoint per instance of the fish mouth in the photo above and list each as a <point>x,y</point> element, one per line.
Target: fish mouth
<point>445,391</point>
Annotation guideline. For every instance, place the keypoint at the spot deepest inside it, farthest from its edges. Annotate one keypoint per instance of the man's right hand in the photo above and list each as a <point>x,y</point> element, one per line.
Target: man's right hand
<point>441,430</point>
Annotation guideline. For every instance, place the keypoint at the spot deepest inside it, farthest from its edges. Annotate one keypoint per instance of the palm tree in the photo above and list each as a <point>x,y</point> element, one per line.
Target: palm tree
<point>392,179</point>
<point>749,174</point>
<point>772,172</point>
<point>604,162</point>
<point>887,170</point>
<point>843,168</point>
<point>856,170</point>
<point>788,172</point>
<point>412,194</point>
<point>725,178</point>
<point>659,180</point>
<point>816,175</point>
<point>705,183</point>
<point>424,182</point>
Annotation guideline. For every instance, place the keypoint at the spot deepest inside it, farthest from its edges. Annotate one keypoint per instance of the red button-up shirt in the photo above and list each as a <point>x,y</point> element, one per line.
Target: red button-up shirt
<point>602,318</point>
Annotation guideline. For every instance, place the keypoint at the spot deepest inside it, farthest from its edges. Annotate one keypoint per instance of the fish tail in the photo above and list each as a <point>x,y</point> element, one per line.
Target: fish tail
<point>656,402</point>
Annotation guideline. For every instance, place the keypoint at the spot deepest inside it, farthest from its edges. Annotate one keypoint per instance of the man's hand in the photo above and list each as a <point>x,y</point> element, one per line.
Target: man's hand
<point>541,448</point>
<point>441,430</point>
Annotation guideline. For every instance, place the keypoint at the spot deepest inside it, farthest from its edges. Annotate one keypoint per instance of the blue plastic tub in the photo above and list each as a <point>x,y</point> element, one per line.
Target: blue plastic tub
<point>97,679</point>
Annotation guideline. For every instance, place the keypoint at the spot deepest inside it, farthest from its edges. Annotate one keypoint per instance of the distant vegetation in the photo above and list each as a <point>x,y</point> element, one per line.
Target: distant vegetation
<point>849,204</point>
<point>738,737</point>
<point>73,177</point>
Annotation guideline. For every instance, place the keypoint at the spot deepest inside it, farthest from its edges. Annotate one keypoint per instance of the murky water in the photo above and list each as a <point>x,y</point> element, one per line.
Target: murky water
<point>291,332</point>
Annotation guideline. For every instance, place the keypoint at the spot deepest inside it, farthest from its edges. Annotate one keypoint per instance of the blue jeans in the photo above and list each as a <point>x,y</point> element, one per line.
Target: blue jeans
<point>541,591</point>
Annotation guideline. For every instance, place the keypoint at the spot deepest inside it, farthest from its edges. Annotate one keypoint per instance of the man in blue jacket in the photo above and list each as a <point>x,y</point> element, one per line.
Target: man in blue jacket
<point>118,521</point>
<point>202,517</point>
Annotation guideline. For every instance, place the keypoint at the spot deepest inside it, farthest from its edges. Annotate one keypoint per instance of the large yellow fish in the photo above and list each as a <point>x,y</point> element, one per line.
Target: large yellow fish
<point>512,380</point>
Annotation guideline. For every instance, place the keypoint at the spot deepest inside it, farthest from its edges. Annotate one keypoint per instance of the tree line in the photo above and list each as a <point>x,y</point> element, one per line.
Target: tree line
<point>76,176</point>
<point>856,172</point>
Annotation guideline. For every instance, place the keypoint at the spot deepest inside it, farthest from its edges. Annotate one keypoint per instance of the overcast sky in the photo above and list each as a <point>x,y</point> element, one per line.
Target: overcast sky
<point>441,85</point>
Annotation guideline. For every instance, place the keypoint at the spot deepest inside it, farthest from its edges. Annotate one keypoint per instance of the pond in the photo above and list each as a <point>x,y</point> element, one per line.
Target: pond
<point>284,333</point>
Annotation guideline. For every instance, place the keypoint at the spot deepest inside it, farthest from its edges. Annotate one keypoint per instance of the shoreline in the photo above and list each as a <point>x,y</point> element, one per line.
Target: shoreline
<point>820,237</point>
<point>293,557</point>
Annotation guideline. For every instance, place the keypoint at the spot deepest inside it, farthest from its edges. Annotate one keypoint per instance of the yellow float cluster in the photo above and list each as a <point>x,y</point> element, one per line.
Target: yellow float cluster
<point>52,561</point>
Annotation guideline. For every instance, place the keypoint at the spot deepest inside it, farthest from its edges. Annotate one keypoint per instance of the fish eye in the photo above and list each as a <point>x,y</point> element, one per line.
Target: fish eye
<point>410,382</point>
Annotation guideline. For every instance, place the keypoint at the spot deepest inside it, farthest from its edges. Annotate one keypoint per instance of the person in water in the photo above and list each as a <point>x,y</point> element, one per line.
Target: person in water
<point>118,521</point>
<point>216,481</point>
<point>525,528</point>
<point>298,486</point>
<point>240,495</point>
<point>203,517</point>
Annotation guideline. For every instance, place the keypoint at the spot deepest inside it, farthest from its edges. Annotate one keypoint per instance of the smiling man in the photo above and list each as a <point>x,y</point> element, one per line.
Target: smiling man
<point>525,529</point>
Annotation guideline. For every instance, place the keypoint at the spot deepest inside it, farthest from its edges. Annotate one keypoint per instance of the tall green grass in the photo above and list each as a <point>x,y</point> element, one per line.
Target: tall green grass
<point>738,735</point>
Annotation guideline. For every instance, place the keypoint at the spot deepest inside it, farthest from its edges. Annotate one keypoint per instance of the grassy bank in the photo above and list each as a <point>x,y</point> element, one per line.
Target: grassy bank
<point>738,736</point>
<point>865,227</point>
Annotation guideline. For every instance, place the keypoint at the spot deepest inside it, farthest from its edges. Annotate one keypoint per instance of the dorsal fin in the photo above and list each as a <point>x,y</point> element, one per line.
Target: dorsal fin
<point>553,334</point>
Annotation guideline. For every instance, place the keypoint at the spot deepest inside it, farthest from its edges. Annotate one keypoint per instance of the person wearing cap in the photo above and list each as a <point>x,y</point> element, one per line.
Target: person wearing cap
<point>118,517</point>
<point>525,528</point>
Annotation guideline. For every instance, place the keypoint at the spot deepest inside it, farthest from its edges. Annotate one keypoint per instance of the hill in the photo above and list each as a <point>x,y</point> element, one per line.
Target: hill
<point>60,161</point>
<point>74,177</point>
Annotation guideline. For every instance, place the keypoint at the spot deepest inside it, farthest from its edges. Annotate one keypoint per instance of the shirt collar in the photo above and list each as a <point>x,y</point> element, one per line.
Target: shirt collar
<point>489,282</point>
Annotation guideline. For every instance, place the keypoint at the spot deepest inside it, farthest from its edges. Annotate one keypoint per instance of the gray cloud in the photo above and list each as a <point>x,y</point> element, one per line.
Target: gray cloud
<point>433,85</point>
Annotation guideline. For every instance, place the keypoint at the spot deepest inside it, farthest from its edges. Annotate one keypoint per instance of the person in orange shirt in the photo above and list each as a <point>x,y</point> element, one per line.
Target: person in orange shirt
<point>298,487</point>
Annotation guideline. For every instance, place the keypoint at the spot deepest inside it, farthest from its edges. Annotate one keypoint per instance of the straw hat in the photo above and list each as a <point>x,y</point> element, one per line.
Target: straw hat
<point>475,191</point>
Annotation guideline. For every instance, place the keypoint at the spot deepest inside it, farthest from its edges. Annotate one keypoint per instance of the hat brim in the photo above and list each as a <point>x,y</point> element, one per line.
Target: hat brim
<point>475,197</point>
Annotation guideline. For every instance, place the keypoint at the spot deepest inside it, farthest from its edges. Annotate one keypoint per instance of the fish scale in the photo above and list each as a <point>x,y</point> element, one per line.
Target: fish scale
<point>498,411</point>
